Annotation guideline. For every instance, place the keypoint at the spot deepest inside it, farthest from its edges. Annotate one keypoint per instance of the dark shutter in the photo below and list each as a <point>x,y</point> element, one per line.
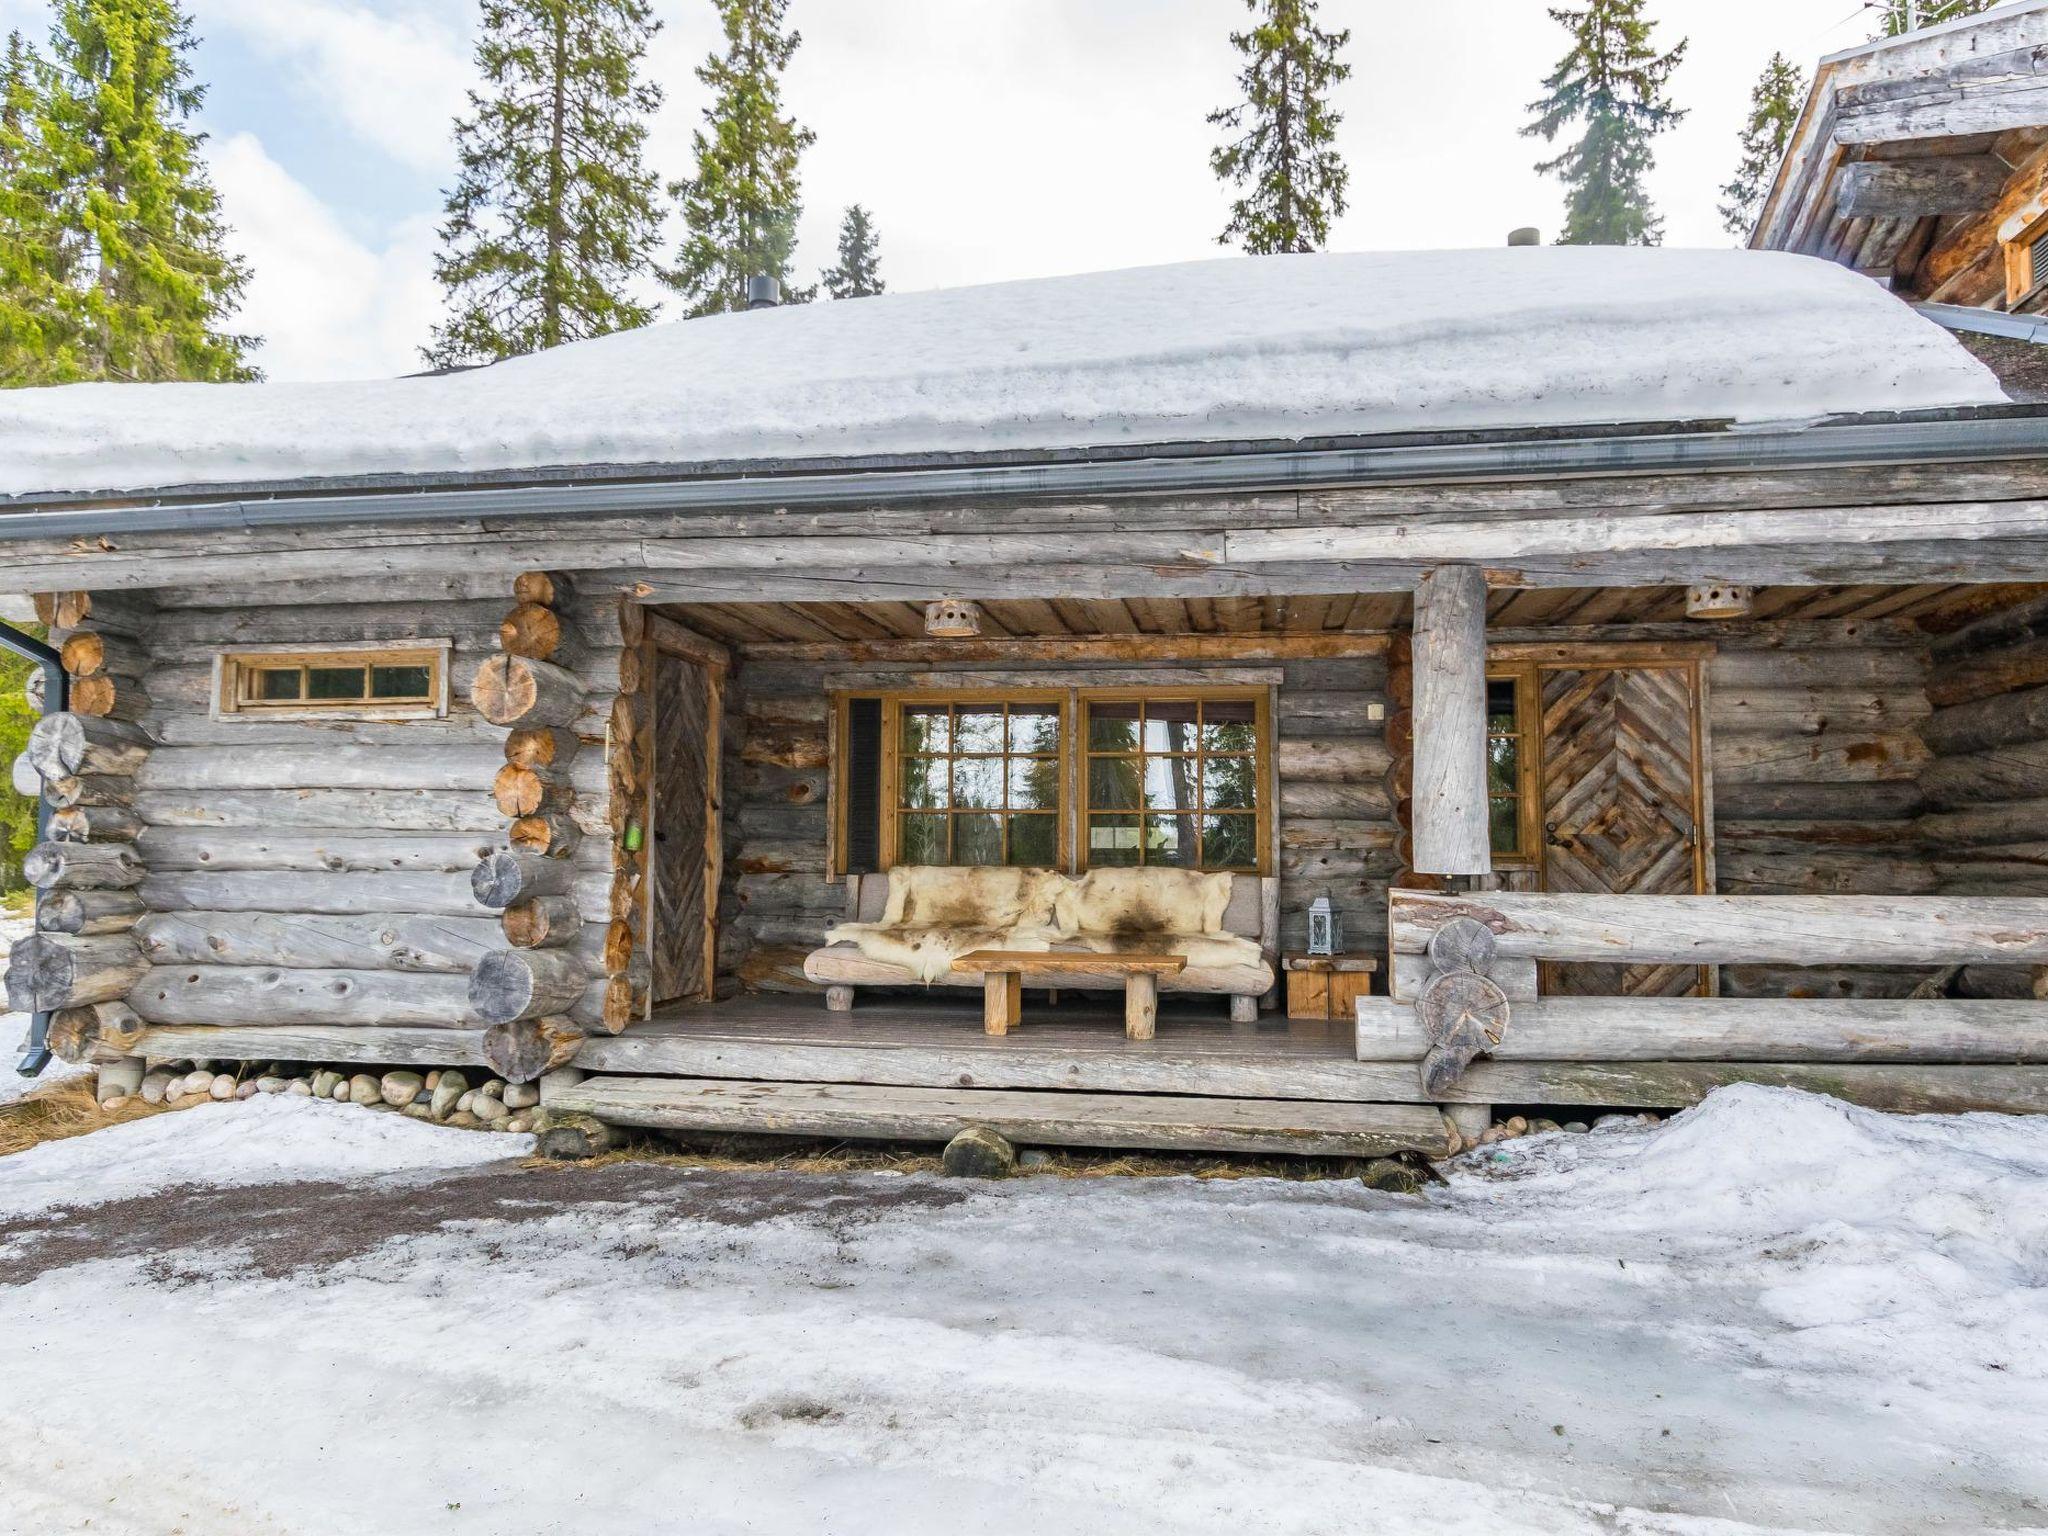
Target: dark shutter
<point>863,786</point>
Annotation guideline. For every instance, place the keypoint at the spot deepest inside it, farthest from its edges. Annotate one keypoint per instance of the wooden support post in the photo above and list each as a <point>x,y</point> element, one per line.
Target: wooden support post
<point>1002,1001</point>
<point>1141,1005</point>
<point>839,999</point>
<point>1450,834</point>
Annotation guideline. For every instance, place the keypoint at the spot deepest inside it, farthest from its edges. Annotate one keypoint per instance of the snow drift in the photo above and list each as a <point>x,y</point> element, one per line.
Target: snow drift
<point>1283,347</point>
<point>1773,1312</point>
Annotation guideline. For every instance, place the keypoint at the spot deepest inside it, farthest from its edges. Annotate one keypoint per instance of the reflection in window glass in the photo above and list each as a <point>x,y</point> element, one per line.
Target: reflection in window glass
<point>978,783</point>
<point>1505,747</point>
<point>1172,782</point>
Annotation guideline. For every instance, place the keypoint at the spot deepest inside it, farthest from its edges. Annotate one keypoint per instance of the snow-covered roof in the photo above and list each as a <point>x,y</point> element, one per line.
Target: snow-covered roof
<point>1283,347</point>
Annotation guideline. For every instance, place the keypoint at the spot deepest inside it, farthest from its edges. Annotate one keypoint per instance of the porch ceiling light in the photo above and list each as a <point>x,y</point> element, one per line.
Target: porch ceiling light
<point>950,618</point>
<point>1716,600</point>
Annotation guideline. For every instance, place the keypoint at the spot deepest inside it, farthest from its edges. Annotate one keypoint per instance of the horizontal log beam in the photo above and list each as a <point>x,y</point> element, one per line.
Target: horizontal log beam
<point>1991,93</point>
<point>1735,1029</point>
<point>1711,930</point>
<point>270,995</point>
<point>1925,1090</point>
<point>166,849</point>
<point>378,1046</point>
<point>1507,541</point>
<point>1910,189</point>
<point>393,941</point>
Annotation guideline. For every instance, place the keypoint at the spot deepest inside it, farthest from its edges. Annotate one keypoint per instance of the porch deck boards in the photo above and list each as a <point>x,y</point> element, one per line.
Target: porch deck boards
<point>938,1042</point>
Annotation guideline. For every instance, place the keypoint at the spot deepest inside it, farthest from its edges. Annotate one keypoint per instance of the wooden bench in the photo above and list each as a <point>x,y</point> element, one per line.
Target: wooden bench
<point>1002,972</point>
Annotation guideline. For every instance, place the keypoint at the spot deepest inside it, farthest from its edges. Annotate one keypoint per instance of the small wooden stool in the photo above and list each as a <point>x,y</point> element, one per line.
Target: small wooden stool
<point>1327,986</point>
<point>1003,971</point>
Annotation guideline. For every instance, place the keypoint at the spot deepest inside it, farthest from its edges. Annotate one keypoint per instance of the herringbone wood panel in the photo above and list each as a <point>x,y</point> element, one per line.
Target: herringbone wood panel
<point>1620,805</point>
<point>678,817</point>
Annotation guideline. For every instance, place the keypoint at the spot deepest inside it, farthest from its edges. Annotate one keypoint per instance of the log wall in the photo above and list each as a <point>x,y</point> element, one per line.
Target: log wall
<point>1985,783</point>
<point>321,872</point>
<point>1816,753</point>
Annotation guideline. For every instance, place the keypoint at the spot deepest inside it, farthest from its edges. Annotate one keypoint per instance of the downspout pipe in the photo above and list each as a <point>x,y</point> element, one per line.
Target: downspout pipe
<point>35,1053</point>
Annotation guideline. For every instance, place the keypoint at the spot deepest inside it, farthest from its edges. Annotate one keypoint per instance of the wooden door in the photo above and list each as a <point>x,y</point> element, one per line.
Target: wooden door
<point>1624,807</point>
<point>683,820</point>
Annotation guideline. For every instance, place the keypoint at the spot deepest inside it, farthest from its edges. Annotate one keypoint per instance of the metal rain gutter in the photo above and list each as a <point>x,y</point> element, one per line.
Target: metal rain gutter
<point>1799,445</point>
<point>35,1054</point>
<point>1987,322</point>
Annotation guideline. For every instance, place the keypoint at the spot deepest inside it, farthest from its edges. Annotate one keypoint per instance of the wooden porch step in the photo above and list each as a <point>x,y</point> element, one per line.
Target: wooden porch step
<point>1151,1122</point>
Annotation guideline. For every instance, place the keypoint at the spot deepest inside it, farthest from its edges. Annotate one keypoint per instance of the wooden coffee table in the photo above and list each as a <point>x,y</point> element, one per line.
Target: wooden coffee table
<point>1003,972</point>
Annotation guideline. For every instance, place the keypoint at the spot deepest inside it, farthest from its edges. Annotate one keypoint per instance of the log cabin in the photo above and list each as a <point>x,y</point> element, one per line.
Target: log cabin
<point>1581,678</point>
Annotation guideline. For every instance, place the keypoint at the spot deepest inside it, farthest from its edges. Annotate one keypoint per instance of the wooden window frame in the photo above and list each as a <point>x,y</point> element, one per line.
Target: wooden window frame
<point>1073,701</point>
<point>892,755</point>
<point>233,665</point>
<point>1262,811</point>
<point>1526,676</point>
<point>2021,280</point>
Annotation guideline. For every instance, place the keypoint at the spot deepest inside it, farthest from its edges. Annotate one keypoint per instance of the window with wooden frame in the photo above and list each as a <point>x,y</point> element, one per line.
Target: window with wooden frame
<point>2026,261</point>
<point>1068,778</point>
<point>974,780</point>
<point>1174,780</point>
<point>368,681</point>
<point>1514,815</point>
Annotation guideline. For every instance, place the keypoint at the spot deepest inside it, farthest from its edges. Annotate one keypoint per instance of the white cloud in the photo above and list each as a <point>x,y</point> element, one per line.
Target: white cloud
<point>326,305</point>
<point>396,81</point>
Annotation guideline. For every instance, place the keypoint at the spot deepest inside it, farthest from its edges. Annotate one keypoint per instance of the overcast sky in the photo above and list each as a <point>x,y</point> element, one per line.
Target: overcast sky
<point>992,138</point>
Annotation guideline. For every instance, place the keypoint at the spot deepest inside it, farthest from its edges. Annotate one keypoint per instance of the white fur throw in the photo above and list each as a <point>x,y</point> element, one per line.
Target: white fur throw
<point>1153,911</point>
<point>934,915</point>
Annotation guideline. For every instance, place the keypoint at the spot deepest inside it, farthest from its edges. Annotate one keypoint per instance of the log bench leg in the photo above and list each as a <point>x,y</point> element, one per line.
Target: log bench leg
<point>1141,1005</point>
<point>1002,1001</point>
<point>1244,1010</point>
<point>839,999</point>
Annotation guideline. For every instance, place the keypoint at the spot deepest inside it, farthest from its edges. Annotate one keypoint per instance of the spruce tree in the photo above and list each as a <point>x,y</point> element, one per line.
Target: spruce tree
<point>1284,151</point>
<point>1773,108</point>
<point>741,207</point>
<point>1613,82</point>
<point>553,213</point>
<point>858,274</point>
<point>1897,17</point>
<point>36,312</point>
<point>142,284</point>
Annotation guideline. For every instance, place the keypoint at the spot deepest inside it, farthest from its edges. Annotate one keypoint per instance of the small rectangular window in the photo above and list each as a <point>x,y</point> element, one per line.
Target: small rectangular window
<point>1510,765</point>
<point>381,681</point>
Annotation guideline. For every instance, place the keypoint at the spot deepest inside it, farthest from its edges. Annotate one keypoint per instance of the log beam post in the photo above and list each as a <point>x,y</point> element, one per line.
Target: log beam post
<point>1450,832</point>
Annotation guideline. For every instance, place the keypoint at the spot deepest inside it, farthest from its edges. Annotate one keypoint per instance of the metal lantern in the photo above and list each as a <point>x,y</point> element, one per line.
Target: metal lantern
<point>1324,937</point>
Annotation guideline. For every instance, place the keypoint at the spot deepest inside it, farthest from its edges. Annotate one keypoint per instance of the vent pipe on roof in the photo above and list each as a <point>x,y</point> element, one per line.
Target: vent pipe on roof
<point>1528,234</point>
<point>763,292</point>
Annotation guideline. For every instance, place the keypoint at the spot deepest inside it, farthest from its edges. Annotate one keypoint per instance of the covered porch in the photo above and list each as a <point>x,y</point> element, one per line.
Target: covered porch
<point>1412,749</point>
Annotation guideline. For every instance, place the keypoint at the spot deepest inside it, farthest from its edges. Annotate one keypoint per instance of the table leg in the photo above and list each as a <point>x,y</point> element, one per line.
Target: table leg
<point>1141,1004</point>
<point>1002,1001</point>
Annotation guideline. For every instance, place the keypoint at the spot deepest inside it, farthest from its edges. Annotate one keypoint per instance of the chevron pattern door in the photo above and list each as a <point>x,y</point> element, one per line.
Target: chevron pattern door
<point>1622,805</point>
<point>682,793</point>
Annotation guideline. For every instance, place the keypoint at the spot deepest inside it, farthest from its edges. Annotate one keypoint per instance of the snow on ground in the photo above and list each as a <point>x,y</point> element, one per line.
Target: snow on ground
<point>266,1139</point>
<point>14,1026</point>
<point>1244,347</point>
<point>1776,1312</point>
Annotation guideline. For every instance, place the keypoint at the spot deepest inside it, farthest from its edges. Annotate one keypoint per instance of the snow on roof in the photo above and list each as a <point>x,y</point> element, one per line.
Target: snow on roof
<point>1251,347</point>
